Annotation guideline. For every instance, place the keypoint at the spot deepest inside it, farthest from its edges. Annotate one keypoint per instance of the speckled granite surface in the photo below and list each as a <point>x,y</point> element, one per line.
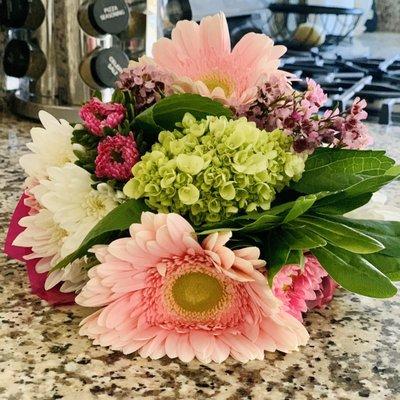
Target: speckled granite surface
<point>353,352</point>
<point>388,12</point>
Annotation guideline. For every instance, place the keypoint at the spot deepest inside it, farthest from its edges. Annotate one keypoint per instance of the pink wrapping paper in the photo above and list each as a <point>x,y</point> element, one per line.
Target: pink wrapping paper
<point>53,296</point>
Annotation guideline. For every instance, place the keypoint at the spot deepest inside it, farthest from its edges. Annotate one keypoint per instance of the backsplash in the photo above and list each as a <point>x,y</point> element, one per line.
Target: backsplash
<point>388,15</point>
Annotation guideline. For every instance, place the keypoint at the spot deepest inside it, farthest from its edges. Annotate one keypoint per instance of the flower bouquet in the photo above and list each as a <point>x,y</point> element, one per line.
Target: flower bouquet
<point>201,211</point>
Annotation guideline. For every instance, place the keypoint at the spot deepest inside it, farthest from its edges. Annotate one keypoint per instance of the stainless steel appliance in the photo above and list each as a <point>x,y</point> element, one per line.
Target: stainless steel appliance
<point>243,15</point>
<point>343,78</point>
<point>59,51</point>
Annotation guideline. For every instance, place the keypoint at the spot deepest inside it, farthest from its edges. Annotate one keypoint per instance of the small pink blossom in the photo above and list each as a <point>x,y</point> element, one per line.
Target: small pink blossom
<point>116,157</point>
<point>278,106</point>
<point>314,94</point>
<point>303,289</point>
<point>97,115</point>
<point>357,109</point>
<point>146,82</point>
<point>355,134</point>
<point>161,292</point>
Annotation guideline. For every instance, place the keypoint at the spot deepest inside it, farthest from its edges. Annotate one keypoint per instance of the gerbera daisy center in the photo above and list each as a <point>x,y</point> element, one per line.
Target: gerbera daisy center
<point>197,292</point>
<point>215,80</point>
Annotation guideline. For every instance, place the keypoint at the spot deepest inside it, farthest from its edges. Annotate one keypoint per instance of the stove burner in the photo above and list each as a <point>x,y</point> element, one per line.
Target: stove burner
<point>377,80</point>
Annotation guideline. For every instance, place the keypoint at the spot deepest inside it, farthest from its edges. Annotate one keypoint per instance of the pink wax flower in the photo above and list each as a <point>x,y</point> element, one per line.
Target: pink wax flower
<point>301,290</point>
<point>147,83</point>
<point>161,292</point>
<point>278,106</point>
<point>357,109</point>
<point>97,115</point>
<point>355,134</point>
<point>314,94</point>
<point>201,59</point>
<point>116,157</point>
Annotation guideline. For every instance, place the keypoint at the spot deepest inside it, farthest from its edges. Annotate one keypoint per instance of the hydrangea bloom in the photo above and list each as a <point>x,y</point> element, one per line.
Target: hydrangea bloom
<point>214,168</point>
<point>97,115</point>
<point>146,82</point>
<point>116,155</point>
<point>200,57</point>
<point>303,289</point>
<point>163,293</point>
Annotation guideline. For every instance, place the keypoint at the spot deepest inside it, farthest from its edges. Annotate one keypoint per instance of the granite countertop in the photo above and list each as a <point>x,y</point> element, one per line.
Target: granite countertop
<point>353,351</point>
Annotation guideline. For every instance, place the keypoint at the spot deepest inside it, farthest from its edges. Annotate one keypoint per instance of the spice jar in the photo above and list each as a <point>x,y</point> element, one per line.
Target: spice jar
<point>23,59</point>
<point>101,17</point>
<point>26,14</point>
<point>101,68</point>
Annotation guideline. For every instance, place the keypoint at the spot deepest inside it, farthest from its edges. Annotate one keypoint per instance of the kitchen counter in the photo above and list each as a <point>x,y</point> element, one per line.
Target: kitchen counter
<point>370,44</point>
<point>353,352</point>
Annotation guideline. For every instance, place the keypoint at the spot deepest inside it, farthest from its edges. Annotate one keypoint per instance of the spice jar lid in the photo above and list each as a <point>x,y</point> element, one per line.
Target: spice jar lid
<point>16,58</point>
<point>23,59</point>
<point>28,14</point>
<point>109,16</point>
<point>107,65</point>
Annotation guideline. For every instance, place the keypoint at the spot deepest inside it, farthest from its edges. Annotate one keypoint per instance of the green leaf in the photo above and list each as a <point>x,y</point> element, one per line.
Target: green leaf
<point>114,222</point>
<point>340,203</point>
<point>341,235</point>
<point>354,273</point>
<point>244,224</point>
<point>145,120</point>
<point>301,239</point>
<point>386,232</point>
<point>296,257</point>
<point>390,266</point>
<point>170,110</point>
<point>276,253</point>
<point>300,206</point>
<point>281,242</point>
<point>264,222</point>
<point>339,169</point>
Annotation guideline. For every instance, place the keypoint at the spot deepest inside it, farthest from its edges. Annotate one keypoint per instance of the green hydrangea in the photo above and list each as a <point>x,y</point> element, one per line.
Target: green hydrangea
<point>213,169</point>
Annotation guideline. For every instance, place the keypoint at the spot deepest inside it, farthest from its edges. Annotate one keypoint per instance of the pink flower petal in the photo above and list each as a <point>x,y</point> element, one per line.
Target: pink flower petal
<point>142,312</point>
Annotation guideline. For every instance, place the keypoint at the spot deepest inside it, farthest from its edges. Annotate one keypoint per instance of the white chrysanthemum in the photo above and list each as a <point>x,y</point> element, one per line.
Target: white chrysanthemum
<point>50,146</point>
<point>74,277</point>
<point>51,243</point>
<point>69,195</point>
<point>71,208</point>
<point>43,235</point>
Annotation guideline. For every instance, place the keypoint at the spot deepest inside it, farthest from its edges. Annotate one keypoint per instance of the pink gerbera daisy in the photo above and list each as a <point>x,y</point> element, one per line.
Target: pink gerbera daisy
<point>200,56</point>
<point>164,293</point>
<point>302,289</point>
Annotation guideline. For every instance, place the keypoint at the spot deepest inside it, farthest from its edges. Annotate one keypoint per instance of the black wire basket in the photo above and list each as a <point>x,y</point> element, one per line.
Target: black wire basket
<point>301,27</point>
